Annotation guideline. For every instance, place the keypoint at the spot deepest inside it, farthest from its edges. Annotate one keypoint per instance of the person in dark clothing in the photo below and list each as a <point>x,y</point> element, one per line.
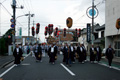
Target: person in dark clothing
<point>17,54</point>
<point>92,54</point>
<point>80,53</point>
<point>84,51</point>
<point>72,52</point>
<point>39,53</point>
<point>64,52</point>
<point>56,51</point>
<point>109,55</point>
<point>51,54</point>
<point>98,54</point>
<point>36,52</point>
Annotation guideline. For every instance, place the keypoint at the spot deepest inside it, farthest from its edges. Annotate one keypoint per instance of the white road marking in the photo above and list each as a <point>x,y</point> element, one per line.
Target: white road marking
<point>7,71</point>
<point>67,69</point>
<point>11,68</point>
<point>108,66</point>
<point>25,64</point>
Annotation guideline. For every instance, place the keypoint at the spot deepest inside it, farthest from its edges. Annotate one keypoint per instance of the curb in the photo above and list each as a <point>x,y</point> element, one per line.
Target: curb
<point>2,66</point>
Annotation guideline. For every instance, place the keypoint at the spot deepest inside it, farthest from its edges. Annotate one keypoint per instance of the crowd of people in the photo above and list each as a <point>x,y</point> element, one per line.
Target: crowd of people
<point>70,52</point>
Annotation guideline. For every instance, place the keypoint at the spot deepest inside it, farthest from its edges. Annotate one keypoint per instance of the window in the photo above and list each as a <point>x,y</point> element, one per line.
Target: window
<point>117,48</point>
<point>102,34</point>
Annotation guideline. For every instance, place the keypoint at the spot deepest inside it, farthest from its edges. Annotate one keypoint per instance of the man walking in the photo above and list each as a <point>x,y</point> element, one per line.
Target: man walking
<point>17,54</point>
<point>109,54</point>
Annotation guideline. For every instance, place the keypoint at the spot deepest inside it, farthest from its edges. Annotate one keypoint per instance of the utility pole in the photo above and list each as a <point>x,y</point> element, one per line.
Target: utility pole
<point>29,15</point>
<point>14,11</point>
<point>92,21</point>
<point>28,28</point>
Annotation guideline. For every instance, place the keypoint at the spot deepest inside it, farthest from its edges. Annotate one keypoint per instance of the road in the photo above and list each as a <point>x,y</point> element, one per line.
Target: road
<point>32,70</point>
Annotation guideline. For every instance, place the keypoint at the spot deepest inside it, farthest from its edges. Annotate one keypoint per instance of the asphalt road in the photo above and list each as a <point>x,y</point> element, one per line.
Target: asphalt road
<point>32,70</point>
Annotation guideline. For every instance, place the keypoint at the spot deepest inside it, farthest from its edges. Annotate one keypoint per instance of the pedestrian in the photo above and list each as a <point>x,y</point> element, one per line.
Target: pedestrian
<point>43,50</point>
<point>98,54</point>
<point>17,54</point>
<point>56,51</point>
<point>39,53</point>
<point>67,55</point>
<point>92,54</point>
<point>72,52</point>
<point>109,55</point>
<point>80,53</point>
<point>36,52</point>
<point>51,54</point>
<point>64,50</point>
<point>85,52</point>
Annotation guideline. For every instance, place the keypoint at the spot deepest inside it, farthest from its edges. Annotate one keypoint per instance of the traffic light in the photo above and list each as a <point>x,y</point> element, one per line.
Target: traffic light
<point>64,32</point>
<point>33,31</point>
<point>118,23</point>
<point>79,34</point>
<point>76,32</point>
<point>37,28</point>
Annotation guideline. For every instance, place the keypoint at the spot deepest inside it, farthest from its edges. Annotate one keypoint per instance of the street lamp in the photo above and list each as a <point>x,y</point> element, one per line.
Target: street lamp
<point>29,15</point>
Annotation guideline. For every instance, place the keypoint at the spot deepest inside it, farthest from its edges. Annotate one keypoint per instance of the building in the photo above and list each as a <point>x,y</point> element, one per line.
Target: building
<point>60,39</point>
<point>99,38</point>
<point>112,36</point>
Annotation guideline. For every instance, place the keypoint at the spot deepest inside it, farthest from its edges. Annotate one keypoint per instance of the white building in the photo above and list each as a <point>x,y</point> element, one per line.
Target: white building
<point>112,13</point>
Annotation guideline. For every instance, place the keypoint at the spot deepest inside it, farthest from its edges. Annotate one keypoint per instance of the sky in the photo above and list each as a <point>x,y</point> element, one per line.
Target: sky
<point>49,12</point>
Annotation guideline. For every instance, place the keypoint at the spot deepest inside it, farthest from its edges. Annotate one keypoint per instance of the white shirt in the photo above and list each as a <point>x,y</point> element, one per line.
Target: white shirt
<point>93,49</point>
<point>81,49</point>
<point>52,49</point>
<point>17,50</point>
<point>72,48</point>
<point>98,49</point>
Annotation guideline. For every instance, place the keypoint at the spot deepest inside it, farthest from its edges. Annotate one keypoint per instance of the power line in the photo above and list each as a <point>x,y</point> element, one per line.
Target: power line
<point>6,9</point>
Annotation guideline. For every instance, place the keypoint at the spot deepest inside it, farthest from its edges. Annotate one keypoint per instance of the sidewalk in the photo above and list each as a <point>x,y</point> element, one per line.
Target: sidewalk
<point>4,60</point>
<point>115,62</point>
<point>115,59</point>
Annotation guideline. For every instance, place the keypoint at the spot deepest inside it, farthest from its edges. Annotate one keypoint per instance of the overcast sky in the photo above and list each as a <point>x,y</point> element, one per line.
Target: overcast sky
<point>49,12</point>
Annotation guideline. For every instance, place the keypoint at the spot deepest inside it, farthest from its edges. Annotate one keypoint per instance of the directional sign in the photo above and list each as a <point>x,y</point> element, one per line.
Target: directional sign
<point>12,25</point>
<point>12,20</point>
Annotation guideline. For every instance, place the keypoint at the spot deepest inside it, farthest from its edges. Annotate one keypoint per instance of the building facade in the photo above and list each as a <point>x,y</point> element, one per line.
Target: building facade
<point>112,36</point>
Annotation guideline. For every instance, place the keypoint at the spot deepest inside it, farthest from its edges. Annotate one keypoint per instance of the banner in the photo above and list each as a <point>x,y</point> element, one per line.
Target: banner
<point>88,33</point>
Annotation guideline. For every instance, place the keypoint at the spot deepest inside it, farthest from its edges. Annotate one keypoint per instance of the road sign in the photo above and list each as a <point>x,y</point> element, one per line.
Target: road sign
<point>90,12</point>
<point>12,25</point>
<point>12,20</point>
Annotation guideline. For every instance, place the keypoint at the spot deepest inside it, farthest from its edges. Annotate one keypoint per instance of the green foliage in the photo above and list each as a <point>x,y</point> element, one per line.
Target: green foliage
<point>4,42</point>
<point>3,49</point>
